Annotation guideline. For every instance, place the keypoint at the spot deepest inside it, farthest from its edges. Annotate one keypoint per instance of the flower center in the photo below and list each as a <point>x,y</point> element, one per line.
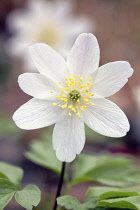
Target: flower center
<point>74,94</point>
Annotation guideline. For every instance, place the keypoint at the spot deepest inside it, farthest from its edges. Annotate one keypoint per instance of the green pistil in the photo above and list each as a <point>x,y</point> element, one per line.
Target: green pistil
<point>74,95</point>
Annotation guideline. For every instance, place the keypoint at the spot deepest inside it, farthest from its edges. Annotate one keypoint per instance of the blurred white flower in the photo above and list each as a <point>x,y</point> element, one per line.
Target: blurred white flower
<point>72,93</point>
<point>49,22</point>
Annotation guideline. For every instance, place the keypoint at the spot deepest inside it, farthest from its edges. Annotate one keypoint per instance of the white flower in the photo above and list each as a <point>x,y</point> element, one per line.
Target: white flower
<point>72,93</point>
<point>48,22</point>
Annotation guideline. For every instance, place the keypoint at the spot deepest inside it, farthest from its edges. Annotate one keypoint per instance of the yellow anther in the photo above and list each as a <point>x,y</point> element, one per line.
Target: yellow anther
<point>64,96</point>
<point>67,83</point>
<point>79,76</point>
<point>85,106</point>
<point>54,104</point>
<point>88,83</point>
<point>78,114</point>
<point>58,97</point>
<point>64,106</point>
<point>69,114</point>
<point>65,100</point>
<point>52,91</point>
<point>72,79</point>
<point>81,86</point>
<point>89,79</point>
<point>59,82</point>
<point>67,89</point>
<point>74,75</point>
<point>61,88</point>
<point>62,91</point>
<point>69,107</point>
<point>81,79</point>
<point>85,100</point>
<point>73,109</point>
<point>67,78</point>
<point>78,101</point>
<point>82,108</point>
<point>92,104</point>
<point>89,97</point>
<point>87,90</point>
<point>77,82</point>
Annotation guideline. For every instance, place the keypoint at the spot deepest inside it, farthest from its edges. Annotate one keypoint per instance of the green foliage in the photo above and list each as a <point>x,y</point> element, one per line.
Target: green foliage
<point>28,197</point>
<point>7,190</point>
<point>41,152</point>
<point>10,181</point>
<point>13,173</point>
<point>70,202</point>
<point>105,192</point>
<point>8,127</point>
<point>119,198</point>
<point>104,198</point>
<point>106,169</point>
<point>122,203</point>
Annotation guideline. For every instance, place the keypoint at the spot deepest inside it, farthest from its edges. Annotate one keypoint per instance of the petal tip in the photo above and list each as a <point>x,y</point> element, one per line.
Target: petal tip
<point>65,157</point>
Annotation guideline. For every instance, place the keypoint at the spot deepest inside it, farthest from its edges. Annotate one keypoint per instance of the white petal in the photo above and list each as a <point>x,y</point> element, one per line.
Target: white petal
<point>84,55</point>
<point>110,78</point>
<point>106,118</point>
<point>68,137</point>
<point>36,114</point>
<point>38,86</point>
<point>48,61</point>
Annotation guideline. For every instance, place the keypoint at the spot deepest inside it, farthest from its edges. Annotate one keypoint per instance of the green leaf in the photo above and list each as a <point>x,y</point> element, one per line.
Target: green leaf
<point>42,153</point>
<point>70,202</point>
<point>104,192</point>
<point>97,191</point>
<point>13,173</point>
<point>106,169</point>
<point>28,197</point>
<point>132,189</point>
<point>89,162</point>
<point>116,194</point>
<point>2,176</point>
<point>122,203</point>
<point>7,190</point>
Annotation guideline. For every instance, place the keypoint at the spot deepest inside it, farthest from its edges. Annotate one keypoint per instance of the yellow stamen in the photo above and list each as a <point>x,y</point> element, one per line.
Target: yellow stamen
<point>64,106</point>
<point>89,79</point>
<point>85,100</point>
<point>74,93</point>
<point>78,114</point>
<point>78,101</point>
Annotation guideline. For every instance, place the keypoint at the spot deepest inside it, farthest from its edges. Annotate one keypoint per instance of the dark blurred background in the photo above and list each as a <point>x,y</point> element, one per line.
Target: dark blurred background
<point>116,24</point>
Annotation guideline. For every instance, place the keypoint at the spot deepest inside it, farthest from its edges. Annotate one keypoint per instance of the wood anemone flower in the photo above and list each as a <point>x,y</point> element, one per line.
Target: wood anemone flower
<point>71,93</point>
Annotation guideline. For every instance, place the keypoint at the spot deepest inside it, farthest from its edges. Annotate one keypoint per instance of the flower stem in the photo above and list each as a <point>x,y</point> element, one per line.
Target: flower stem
<point>59,185</point>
